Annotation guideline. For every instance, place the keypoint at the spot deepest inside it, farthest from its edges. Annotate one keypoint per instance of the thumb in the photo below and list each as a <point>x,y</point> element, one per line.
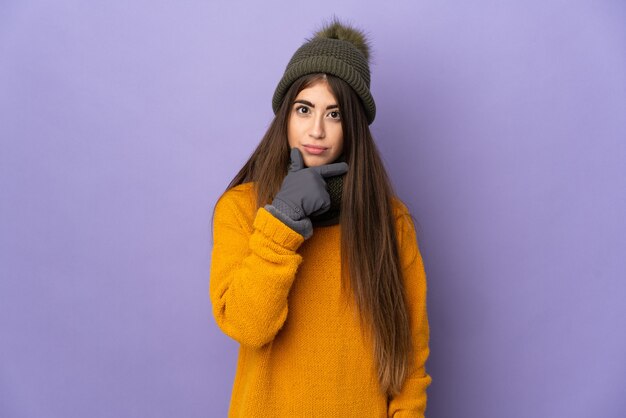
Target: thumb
<point>296,162</point>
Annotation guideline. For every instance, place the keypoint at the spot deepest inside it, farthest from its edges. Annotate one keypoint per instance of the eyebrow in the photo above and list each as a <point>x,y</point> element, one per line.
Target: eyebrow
<point>306,102</point>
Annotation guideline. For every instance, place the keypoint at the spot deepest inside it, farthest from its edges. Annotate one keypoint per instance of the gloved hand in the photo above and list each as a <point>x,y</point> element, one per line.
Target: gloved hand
<point>303,192</point>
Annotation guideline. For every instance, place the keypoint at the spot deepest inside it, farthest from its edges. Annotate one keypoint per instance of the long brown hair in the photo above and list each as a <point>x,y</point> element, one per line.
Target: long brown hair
<point>368,246</point>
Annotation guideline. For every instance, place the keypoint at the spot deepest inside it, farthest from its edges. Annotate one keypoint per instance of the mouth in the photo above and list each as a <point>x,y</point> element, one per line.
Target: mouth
<point>313,149</point>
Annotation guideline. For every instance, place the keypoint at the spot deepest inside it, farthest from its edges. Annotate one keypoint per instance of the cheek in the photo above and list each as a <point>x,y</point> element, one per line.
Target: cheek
<point>339,142</point>
<point>294,132</point>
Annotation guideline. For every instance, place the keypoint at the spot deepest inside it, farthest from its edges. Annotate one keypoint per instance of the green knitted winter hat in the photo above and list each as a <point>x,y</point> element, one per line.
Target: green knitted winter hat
<point>336,49</point>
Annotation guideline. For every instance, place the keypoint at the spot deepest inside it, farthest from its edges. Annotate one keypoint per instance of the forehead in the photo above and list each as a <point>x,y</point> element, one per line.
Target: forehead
<point>319,90</point>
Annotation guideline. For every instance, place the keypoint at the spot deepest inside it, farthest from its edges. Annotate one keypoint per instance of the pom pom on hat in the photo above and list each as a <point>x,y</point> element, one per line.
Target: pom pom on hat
<point>338,30</point>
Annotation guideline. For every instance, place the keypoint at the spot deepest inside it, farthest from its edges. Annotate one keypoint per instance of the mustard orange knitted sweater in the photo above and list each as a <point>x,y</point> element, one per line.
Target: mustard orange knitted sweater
<point>301,351</point>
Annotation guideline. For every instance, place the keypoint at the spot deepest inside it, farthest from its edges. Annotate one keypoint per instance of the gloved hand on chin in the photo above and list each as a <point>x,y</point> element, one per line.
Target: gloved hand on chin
<point>303,193</point>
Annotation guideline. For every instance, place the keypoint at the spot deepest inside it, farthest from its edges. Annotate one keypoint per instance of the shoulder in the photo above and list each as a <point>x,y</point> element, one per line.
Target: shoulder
<point>399,208</point>
<point>405,226</point>
<point>238,203</point>
<point>242,193</point>
<point>241,189</point>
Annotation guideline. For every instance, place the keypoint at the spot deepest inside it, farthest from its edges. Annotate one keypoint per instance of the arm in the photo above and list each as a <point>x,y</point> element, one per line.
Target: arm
<point>251,273</point>
<point>411,401</point>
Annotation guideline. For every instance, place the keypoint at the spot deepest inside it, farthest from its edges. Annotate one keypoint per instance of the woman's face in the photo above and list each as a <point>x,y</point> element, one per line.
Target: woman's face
<point>314,125</point>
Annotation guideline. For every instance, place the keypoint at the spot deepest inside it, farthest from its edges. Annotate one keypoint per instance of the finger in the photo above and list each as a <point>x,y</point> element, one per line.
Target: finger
<point>296,163</point>
<point>329,170</point>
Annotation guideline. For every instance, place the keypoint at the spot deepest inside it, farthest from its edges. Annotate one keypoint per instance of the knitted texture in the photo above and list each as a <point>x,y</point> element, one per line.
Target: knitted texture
<point>332,56</point>
<point>301,352</point>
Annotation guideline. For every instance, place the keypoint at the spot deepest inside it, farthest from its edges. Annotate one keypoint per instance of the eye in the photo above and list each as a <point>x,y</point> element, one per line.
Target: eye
<point>299,108</point>
<point>335,115</point>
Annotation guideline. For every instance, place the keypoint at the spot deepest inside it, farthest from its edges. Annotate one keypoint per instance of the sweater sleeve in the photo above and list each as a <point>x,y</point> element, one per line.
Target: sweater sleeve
<point>252,270</point>
<point>411,401</point>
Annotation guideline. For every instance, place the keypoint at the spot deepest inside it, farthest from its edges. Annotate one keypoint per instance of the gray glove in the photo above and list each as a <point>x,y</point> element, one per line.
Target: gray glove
<point>303,193</point>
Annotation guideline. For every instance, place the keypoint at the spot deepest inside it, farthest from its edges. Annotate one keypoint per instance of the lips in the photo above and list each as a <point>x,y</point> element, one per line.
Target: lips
<point>312,149</point>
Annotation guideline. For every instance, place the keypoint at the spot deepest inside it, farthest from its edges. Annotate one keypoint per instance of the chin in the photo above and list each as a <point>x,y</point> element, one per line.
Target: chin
<point>314,162</point>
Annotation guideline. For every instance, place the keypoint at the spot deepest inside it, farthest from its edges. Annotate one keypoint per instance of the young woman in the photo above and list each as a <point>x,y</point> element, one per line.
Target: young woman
<point>315,267</point>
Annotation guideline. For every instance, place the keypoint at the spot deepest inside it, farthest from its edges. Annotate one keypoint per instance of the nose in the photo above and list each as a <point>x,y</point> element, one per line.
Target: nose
<point>317,130</point>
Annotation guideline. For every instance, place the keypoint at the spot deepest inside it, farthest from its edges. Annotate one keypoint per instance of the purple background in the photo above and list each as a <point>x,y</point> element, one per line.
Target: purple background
<point>503,127</point>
